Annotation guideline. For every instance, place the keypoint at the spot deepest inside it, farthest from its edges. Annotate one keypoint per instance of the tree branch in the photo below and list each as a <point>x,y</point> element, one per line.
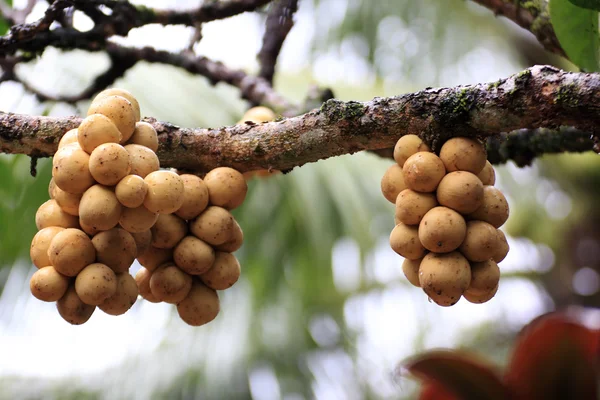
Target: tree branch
<point>540,97</point>
<point>531,15</point>
<point>279,23</point>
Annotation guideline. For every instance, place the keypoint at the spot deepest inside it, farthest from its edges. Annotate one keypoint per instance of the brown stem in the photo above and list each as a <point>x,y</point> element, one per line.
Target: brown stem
<point>279,23</point>
<point>531,15</point>
<point>539,97</point>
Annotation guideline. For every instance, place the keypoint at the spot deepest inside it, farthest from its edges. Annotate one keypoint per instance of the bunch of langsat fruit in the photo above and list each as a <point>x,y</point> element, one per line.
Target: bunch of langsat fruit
<point>110,203</point>
<point>447,217</point>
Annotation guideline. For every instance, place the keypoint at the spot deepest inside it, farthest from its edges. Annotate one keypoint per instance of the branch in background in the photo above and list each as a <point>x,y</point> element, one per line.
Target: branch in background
<point>523,145</point>
<point>136,16</point>
<point>119,65</point>
<point>24,32</point>
<point>254,89</point>
<point>538,97</point>
<point>531,15</point>
<point>280,21</point>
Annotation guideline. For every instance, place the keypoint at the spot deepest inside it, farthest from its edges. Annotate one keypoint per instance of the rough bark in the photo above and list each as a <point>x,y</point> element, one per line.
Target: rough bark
<point>539,97</point>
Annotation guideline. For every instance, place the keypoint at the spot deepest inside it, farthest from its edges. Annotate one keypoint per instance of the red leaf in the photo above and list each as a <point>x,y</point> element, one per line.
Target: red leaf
<point>555,358</point>
<point>433,391</point>
<point>460,374</point>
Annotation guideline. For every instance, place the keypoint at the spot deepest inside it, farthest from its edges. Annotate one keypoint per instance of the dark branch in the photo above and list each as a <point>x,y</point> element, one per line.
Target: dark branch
<point>540,97</point>
<point>531,15</point>
<point>523,145</point>
<point>280,21</point>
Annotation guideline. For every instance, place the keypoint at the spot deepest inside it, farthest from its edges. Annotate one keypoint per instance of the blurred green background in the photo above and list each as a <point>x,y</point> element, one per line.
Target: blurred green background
<point>322,309</point>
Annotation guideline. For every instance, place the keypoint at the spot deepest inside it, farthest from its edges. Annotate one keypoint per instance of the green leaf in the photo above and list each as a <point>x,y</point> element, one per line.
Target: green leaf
<point>591,4</point>
<point>577,31</point>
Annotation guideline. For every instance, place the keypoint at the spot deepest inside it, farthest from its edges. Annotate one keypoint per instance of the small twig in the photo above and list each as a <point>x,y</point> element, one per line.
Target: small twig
<point>24,32</point>
<point>33,166</point>
<point>280,21</point>
<point>196,37</point>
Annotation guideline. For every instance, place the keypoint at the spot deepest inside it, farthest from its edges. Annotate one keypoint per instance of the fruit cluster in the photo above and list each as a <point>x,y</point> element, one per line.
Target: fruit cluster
<point>110,202</point>
<point>447,217</point>
<point>190,258</point>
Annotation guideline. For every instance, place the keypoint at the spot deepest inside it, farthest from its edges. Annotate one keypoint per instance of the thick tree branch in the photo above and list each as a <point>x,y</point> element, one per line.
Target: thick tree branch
<point>279,23</point>
<point>531,15</point>
<point>540,97</point>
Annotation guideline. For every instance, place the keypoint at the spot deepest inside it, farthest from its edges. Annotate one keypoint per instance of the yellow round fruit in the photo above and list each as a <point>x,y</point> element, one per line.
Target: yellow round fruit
<point>168,230</point>
<point>494,208</point>
<point>258,114</point>
<point>195,197</point>
<point>70,169</point>
<point>411,270</point>
<point>51,187</point>
<point>463,154</point>
<point>392,183</point>
<point>484,277</point>
<point>502,247</point>
<point>68,202</point>
<point>165,192</point>
<point>95,130</point>
<point>109,163</point>
<point>193,255</point>
<point>70,251</point>
<point>143,161</point>
<point>72,309</point>
<point>404,240</point>
<point>479,298</point>
<point>154,257</point>
<point>236,241</point>
<point>40,244</point>
<point>214,226</point>
<point>406,146</point>
<point>125,296</point>
<point>120,111</point>
<point>50,214</point>
<point>200,306</point>
<point>131,191</point>
<point>68,138</point>
<point>423,171</point>
<point>145,135</point>
<point>90,230</point>
<point>481,241</point>
<point>227,187</point>
<point>442,230</point>
<point>47,284</point>
<point>487,176</point>
<point>461,191</point>
<point>116,249</point>
<point>444,277</point>
<point>224,272</point>
<point>142,279</point>
<point>123,93</point>
<point>142,241</point>
<point>95,283</point>
<point>99,208</point>
<point>136,220</point>
<point>170,284</point>
<point>411,206</point>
